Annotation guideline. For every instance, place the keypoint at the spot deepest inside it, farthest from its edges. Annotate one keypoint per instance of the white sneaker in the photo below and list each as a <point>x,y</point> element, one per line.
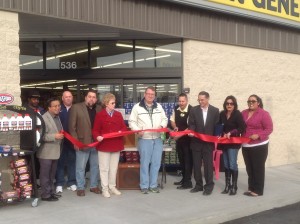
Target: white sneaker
<point>72,187</point>
<point>115,191</point>
<point>59,189</point>
<point>105,193</point>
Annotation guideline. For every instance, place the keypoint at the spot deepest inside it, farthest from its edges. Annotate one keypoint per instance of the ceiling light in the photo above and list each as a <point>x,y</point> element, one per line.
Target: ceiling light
<point>163,56</point>
<point>66,54</point>
<point>168,50</point>
<point>46,83</point>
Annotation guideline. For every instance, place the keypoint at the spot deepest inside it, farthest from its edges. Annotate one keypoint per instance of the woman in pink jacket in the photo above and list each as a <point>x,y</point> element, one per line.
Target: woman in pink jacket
<point>259,126</point>
<point>109,120</point>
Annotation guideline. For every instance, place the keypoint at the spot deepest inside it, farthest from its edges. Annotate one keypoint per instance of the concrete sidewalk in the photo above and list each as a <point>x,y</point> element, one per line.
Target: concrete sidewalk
<point>282,187</point>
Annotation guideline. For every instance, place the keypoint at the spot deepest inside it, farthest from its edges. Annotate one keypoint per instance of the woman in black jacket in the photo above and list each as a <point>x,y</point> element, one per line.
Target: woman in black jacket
<point>233,126</point>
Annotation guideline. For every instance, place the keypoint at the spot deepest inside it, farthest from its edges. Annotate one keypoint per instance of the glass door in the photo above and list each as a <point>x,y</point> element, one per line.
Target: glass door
<point>102,87</point>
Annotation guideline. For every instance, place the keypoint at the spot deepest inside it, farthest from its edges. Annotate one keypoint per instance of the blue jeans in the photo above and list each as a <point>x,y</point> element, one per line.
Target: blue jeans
<point>230,159</point>
<point>82,157</point>
<point>150,159</point>
<point>67,158</point>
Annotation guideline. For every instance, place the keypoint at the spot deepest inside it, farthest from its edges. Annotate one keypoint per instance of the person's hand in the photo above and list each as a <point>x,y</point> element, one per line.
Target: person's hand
<point>254,136</point>
<point>191,135</point>
<point>175,129</point>
<point>176,138</point>
<point>59,136</point>
<point>227,135</point>
<point>141,133</point>
<point>99,138</point>
<point>76,147</point>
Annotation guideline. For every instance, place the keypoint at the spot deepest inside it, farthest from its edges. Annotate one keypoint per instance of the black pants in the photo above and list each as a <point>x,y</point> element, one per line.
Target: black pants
<point>185,159</point>
<point>203,152</point>
<point>47,175</point>
<point>255,158</point>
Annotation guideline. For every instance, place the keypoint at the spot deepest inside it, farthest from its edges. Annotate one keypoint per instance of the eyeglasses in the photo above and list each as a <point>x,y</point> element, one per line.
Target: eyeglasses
<point>228,103</point>
<point>251,101</point>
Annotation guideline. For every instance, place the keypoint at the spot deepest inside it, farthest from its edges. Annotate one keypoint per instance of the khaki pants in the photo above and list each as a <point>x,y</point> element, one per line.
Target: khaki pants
<point>108,166</point>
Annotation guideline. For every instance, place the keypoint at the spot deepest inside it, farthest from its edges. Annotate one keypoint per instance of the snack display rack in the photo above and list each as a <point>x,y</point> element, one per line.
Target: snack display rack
<point>17,170</point>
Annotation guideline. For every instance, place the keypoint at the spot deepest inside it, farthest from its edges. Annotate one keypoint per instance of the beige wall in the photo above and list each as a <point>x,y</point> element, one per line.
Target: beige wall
<point>9,55</point>
<point>224,70</point>
<point>9,69</point>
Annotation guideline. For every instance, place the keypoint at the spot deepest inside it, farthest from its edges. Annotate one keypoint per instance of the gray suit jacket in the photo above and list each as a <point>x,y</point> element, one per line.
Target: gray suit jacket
<point>51,147</point>
<point>196,123</point>
<point>80,124</point>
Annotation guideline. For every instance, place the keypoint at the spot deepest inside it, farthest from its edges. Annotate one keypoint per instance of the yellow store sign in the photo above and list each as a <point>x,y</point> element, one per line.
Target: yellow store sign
<point>287,9</point>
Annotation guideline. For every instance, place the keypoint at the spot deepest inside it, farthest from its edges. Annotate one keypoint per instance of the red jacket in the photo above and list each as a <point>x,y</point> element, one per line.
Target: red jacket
<point>106,124</point>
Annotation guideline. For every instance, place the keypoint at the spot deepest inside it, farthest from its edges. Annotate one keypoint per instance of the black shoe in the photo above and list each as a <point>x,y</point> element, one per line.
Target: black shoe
<point>185,186</point>
<point>196,189</point>
<point>207,192</point>
<point>178,182</point>
<point>51,198</point>
<point>56,195</point>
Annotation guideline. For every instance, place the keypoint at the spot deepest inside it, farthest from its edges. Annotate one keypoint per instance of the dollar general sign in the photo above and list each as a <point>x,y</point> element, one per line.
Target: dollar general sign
<point>287,9</point>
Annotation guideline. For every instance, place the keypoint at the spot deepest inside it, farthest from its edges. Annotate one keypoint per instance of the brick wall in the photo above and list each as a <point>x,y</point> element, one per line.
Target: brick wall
<point>224,70</point>
<point>9,68</point>
<point>9,55</point>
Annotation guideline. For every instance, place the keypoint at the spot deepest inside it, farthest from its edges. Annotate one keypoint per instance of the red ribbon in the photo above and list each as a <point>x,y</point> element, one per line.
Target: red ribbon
<point>209,138</point>
<point>203,137</point>
<point>80,145</point>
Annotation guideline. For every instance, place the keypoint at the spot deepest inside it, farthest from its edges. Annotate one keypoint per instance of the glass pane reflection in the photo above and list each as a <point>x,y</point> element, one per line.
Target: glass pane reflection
<point>31,55</point>
<point>157,53</point>
<point>112,54</point>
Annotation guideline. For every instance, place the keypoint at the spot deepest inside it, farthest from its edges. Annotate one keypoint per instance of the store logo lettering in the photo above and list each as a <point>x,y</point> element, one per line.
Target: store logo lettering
<point>6,98</point>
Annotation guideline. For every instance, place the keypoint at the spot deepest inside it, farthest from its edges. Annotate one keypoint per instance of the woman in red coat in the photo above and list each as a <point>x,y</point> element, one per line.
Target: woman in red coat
<point>108,120</point>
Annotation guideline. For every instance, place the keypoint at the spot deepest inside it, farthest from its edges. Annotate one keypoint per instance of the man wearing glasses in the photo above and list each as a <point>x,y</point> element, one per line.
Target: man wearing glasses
<point>49,151</point>
<point>203,119</point>
<point>148,114</point>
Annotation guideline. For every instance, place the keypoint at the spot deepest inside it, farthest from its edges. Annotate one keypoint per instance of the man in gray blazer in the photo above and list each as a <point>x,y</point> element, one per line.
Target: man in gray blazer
<point>203,119</point>
<point>49,152</point>
<point>81,121</point>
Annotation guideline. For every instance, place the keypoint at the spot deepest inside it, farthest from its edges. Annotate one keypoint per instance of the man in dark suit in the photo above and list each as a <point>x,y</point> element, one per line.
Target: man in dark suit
<point>81,121</point>
<point>202,119</point>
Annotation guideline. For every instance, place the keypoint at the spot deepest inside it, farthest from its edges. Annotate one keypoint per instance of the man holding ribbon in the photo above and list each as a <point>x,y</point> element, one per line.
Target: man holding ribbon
<point>81,121</point>
<point>148,114</point>
<point>179,122</point>
<point>203,119</point>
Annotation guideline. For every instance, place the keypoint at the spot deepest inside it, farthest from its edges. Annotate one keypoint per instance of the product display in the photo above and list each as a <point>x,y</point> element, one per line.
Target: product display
<point>21,185</point>
<point>17,173</point>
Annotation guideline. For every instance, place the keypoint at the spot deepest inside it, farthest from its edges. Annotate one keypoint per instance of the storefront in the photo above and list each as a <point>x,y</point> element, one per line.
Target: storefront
<point>224,47</point>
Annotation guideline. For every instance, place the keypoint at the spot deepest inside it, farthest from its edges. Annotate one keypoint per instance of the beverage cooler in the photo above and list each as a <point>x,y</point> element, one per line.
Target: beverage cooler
<point>21,131</point>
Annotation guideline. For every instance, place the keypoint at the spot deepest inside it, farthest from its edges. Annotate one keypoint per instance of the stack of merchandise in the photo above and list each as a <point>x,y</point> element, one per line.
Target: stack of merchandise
<point>22,187</point>
<point>171,158</point>
<point>131,157</point>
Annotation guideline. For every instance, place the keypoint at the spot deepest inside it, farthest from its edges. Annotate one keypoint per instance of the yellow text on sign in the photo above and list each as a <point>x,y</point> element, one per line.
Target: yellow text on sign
<point>287,9</point>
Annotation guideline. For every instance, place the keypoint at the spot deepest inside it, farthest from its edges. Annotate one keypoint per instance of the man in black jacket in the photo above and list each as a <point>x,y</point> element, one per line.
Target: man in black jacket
<point>179,122</point>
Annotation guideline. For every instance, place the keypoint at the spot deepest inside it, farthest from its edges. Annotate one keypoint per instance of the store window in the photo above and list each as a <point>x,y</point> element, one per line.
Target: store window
<point>166,94</point>
<point>112,54</point>
<point>157,53</point>
<point>103,89</point>
<point>67,55</point>
<point>31,55</point>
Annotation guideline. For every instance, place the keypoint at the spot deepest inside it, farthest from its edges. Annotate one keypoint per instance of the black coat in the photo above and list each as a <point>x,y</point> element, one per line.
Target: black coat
<point>234,124</point>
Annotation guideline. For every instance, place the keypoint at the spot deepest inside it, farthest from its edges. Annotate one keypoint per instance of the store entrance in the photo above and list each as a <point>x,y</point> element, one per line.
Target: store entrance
<point>127,91</point>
